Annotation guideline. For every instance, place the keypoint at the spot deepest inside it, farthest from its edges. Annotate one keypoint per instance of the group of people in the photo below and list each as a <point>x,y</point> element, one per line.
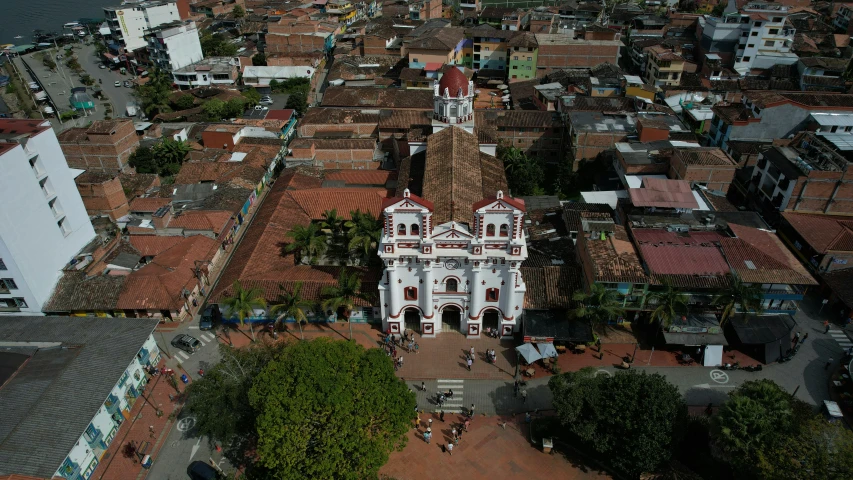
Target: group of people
<point>442,397</point>
<point>491,355</point>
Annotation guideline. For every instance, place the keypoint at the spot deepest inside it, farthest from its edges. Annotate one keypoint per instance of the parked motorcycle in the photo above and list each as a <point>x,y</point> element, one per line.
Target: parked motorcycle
<point>731,366</point>
<point>753,368</point>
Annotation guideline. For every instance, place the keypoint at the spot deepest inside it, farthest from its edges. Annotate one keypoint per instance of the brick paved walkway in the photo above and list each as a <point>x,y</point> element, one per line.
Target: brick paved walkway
<point>487,451</point>
<point>137,429</point>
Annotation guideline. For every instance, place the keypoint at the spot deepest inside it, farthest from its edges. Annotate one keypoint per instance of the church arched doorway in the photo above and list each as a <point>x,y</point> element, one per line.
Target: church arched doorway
<point>451,319</point>
<point>491,320</point>
<point>412,319</point>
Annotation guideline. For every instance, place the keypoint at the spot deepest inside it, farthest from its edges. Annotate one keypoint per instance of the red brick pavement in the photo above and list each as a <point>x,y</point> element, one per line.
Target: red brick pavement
<point>487,451</point>
<point>137,429</point>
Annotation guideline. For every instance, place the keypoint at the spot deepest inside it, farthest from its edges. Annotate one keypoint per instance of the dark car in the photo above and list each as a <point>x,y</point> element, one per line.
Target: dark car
<point>186,343</point>
<point>209,317</point>
<point>199,470</point>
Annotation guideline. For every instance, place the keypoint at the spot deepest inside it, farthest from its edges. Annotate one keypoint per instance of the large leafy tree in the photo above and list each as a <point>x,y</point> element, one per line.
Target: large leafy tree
<point>668,305</point>
<point>215,45</point>
<point>243,302</point>
<point>291,305</point>
<point>154,94</point>
<point>171,151</point>
<point>298,101</point>
<point>524,174</point>
<point>143,160</point>
<point>599,306</point>
<point>819,450</point>
<point>364,232</point>
<point>329,409</point>
<point>738,294</point>
<point>632,419</point>
<point>307,242</point>
<point>344,295</point>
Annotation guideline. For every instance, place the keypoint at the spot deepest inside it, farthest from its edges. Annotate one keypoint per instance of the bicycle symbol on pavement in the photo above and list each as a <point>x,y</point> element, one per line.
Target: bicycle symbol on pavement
<point>185,424</point>
<point>719,376</point>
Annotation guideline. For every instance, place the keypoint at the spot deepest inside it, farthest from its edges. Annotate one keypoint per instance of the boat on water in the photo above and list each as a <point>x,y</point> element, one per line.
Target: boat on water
<point>19,37</point>
<point>71,25</point>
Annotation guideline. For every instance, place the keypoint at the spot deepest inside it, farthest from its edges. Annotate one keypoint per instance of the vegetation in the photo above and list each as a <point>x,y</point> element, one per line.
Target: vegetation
<point>524,174</point>
<point>739,294</point>
<point>154,94</point>
<point>48,62</point>
<point>238,11</point>
<point>764,433</point>
<point>185,102</point>
<point>100,48</point>
<point>87,80</point>
<point>344,295</point>
<point>164,158</point>
<point>215,45</point>
<point>364,232</point>
<point>243,302</point>
<point>73,64</point>
<point>290,305</point>
<point>259,60</point>
<point>669,304</point>
<point>252,96</point>
<point>216,109</point>
<point>632,421</point>
<point>297,88</point>
<point>307,243</point>
<point>297,101</point>
<point>600,306</point>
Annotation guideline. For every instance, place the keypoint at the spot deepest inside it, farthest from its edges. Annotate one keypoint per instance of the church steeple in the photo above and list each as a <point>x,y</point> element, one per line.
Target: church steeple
<point>453,99</point>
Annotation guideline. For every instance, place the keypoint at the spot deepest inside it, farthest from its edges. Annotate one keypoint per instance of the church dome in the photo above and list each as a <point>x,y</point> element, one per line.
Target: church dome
<point>453,80</point>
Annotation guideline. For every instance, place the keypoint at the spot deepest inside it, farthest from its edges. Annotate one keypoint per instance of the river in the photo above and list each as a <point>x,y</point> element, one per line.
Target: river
<point>21,18</point>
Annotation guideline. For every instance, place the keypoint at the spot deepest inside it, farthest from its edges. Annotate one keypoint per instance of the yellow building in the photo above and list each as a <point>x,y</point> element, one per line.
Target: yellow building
<point>664,67</point>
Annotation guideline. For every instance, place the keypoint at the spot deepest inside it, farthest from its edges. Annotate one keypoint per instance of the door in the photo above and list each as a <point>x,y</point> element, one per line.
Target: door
<point>491,320</point>
<point>412,319</point>
<point>451,319</point>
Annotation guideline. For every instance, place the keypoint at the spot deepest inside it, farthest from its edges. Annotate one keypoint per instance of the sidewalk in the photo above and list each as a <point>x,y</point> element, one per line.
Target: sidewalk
<point>487,451</point>
<point>137,429</point>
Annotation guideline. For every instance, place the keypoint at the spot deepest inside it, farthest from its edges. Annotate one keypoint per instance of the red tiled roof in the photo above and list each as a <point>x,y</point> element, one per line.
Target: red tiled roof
<point>663,193</point>
<point>754,266</point>
<point>392,200</point>
<point>672,253</point>
<point>280,114</point>
<point>148,204</point>
<point>515,202</point>
<point>201,220</point>
<point>316,201</point>
<point>615,259</point>
<point>151,245</point>
<point>822,232</point>
<point>362,177</point>
<point>158,285</point>
<point>769,243</point>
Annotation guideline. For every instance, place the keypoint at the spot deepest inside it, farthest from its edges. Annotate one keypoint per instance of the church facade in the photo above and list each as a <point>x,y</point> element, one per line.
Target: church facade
<point>452,242</point>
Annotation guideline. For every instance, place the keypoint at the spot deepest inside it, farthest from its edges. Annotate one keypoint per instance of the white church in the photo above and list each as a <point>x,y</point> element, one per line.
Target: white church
<point>453,242</point>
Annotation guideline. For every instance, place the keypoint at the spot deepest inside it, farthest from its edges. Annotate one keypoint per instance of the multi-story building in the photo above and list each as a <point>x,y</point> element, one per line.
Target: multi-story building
<point>43,222</point>
<point>560,51</point>
<point>104,146</point>
<point>488,46</point>
<point>129,23</point>
<point>102,194</point>
<point>424,9</point>
<point>174,45</point>
<point>206,72</point>
<point>522,52</point>
<point>434,46</point>
<point>288,36</point>
<point>343,10</point>
<point>841,21</point>
<point>664,66</point>
<point>708,167</point>
<point>87,375</point>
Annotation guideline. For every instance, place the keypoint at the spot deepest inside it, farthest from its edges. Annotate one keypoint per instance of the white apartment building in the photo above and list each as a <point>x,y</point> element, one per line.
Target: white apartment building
<point>129,23</point>
<point>208,71</point>
<point>43,223</point>
<point>174,45</point>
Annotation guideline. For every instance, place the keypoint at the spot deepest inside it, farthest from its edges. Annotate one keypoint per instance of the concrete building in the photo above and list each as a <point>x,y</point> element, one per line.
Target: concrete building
<point>174,45</point>
<point>664,67</point>
<point>430,46</point>
<point>84,375</point>
<point>489,47</point>
<point>522,53</point>
<point>560,51</point>
<point>105,146</point>
<point>707,167</point>
<point>43,222</point>
<point>129,23</point>
<point>207,72</point>
<point>262,76</point>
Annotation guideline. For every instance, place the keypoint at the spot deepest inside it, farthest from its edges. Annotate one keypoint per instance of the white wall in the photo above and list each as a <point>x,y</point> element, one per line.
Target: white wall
<point>29,234</point>
<point>184,48</point>
<point>133,24</point>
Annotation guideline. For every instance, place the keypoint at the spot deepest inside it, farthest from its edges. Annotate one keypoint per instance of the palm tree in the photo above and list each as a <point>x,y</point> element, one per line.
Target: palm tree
<point>333,227</point>
<point>291,305</point>
<point>364,232</point>
<point>747,296</point>
<point>344,294</point>
<point>599,306</point>
<point>307,241</point>
<point>332,224</point>
<point>243,303</point>
<point>669,304</point>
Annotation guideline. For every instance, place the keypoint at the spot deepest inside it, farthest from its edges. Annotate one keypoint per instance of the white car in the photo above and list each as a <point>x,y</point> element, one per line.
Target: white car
<point>266,102</point>
<point>117,83</point>
<point>102,66</point>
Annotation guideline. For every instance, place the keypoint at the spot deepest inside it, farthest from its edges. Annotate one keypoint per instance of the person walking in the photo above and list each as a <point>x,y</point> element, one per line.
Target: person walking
<point>423,386</point>
<point>429,424</point>
<point>469,362</point>
<point>467,424</point>
<point>524,396</point>
<point>400,361</point>
<point>515,389</point>
<point>797,338</point>
<point>418,419</point>
<point>805,336</point>
<point>417,347</point>
<point>450,448</point>
<point>453,433</point>
<point>441,416</point>
<point>826,324</point>
<point>427,436</point>
<point>471,351</point>
<point>411,346</point>
<point>471,411</point>
<point>828,363</point>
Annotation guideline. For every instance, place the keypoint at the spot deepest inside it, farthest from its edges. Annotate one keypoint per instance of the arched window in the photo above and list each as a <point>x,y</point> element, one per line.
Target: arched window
<point>504,230</point>
<point>490,231</point>
<point>416,229</point>
<point>454,110</point>
<point>401,229</point>
<point>452,285</point>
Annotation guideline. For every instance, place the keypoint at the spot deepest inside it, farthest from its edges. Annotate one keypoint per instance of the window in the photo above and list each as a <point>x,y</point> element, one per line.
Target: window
<point>9,283</point>
<point>751,45</point>
<point>529,59</point>
<point>745,34</point>
<point>415,229</point>
<point>410,293</point>
<point>492,294</point>
<point>769,43</point>
<point>754,34</point>
<point>401,229</point>
<point>757,24</point>
<point>452,285</point>
<point>515,67</point>
<point>486,49</point>
<point>777,19</point>
<point>91,433</point>
<point>124,377</point>
<point>773,31</point>
<point>490,229</point>
<point>515,57</point>
<point>504,230</point>
<point>746,59</point>
<point>2,265</point>
<point>414,60</point>
<point>675,75</point>
<point>63,226</point>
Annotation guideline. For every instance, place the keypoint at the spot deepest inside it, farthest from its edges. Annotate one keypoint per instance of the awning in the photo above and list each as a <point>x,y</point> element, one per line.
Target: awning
<point>762,329</point>
<point>547,350</point>
<point>529,352</point>
<point>695,338</point>
<point>556,325</point>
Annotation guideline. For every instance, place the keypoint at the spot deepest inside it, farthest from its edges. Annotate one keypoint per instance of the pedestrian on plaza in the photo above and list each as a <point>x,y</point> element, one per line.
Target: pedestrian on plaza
<point>450,449</point>
<point>418,419</point>
<point>467,424</point>
<point>826,324</point>
<point>524,396</point>
<point>527,417</point>
<point>469,362</point>
<point>423,386</point>
<point>803,340</point>
<point>441,416</point>
<point>471,411</point>
<point>453,433</point>
<point>828,363</point>
<point>458,434</point>
<point>411,346</point>
<point>400,361</point>
<point>515,388</point>
<point>797,338</point>
<point>416,347</point>
<point>471,351</point>
<point>429,424</point>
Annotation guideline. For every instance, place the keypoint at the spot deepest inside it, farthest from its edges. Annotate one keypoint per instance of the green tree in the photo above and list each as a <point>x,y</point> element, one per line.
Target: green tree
<point>143,161</point>
<point>307,242</point>
<point>291,305</point>
<point>243,302</point>
<point>364,232</point>
<point>214,45</point>
<point>668,305</point>
<point>739,294</point>
<point>170,152</point>
<point>632,420</point>
<point>599,306</point>
<point>238,11</point>
<point>259,59</point>
<point>719,9</point>
<point>819,450</point>
<point>329,409</point>
<point>297,101</point>
<point>344,295</point>
<point>100,48</point>
<point>252,96</point>
<point>185,102</point>
<point>214,109</point>
<point>524,174</point>
<point>154,94</point>
<point>48,62</point>
<point>234,107</point>
<point>333,227</point>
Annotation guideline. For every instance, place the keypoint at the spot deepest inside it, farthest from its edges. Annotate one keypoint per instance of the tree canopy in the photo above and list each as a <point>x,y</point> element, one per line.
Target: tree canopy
<point>329,409</point>
<point>524,174</point>
<point>298,101</point>
<point>215,45</point>
<point>154,94</point>
<point>632,419</point>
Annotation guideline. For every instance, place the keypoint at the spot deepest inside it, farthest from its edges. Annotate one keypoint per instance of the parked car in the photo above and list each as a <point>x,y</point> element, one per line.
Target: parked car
<point>127,84</point>
<point>209,317</point>
<point>102,66</point>
<point>266,102</point>
<point>117,83</point>
<point>199,470</point>
<point>258,107</point>
<point>186,343</point>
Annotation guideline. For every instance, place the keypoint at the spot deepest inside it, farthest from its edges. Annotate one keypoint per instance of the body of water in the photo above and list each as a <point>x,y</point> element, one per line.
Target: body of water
<point>22,17</point>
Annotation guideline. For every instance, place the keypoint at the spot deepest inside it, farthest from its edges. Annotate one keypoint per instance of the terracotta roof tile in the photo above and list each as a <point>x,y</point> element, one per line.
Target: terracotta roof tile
<point>822,232</point>
<point>148,204</point>
<point>754,266</point>
<point>201,220</point>
<point>151,245</point>
<point>704,156</point>
<point>75,291</point>
<point>663,193</point>
<point>316,201</point>
<point>361,177</point>
<point>615,259</point>
<point>374,97</point>
<point>693,259</point>
<point>551,287</point>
